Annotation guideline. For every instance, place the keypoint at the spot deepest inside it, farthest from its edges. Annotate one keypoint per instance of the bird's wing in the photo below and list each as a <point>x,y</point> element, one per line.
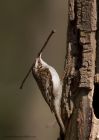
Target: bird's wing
<point>49,92</point>
<point>44,81</point>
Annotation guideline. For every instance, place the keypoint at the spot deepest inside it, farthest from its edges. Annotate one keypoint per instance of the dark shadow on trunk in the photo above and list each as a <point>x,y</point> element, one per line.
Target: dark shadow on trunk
<point>96,100</point>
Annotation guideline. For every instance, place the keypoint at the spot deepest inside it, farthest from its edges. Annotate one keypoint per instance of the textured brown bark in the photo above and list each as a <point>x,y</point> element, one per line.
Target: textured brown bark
<point>81,74</point>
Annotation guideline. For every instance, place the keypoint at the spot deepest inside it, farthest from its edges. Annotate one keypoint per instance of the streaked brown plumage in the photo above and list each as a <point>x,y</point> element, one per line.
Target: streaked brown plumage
<point>50,86</point>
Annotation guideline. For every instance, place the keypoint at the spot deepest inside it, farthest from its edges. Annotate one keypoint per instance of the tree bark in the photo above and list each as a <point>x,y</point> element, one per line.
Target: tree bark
<point>81,78</point>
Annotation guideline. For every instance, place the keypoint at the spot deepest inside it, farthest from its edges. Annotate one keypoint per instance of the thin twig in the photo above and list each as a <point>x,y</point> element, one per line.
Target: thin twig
<point>52,32</point>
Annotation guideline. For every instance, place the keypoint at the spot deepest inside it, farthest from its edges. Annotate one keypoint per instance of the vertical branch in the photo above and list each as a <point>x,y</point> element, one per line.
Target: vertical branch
<point>78,83</point>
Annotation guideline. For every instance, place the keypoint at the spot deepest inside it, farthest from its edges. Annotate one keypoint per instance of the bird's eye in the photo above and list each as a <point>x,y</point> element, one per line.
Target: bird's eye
<point>40,66</point>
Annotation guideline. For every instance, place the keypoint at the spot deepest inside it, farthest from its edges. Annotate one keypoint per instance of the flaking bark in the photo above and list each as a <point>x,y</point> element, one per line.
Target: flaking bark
<point>81,71</point>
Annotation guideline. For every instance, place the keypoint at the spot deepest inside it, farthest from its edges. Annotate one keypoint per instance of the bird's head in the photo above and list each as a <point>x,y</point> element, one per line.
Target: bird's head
<point>38,63</point>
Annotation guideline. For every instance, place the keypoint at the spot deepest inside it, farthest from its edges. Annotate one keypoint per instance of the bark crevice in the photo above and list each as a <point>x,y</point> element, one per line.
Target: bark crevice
<point>79,110</point>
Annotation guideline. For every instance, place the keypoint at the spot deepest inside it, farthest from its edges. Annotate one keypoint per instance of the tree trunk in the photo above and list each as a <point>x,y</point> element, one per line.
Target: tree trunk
<point>81,78</point>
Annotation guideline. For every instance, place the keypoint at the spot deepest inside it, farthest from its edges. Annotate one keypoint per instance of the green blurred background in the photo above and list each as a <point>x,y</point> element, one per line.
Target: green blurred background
<point>24,26</point>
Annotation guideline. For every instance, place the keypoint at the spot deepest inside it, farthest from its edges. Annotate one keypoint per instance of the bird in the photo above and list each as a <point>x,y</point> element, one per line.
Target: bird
<point>49,84</point>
